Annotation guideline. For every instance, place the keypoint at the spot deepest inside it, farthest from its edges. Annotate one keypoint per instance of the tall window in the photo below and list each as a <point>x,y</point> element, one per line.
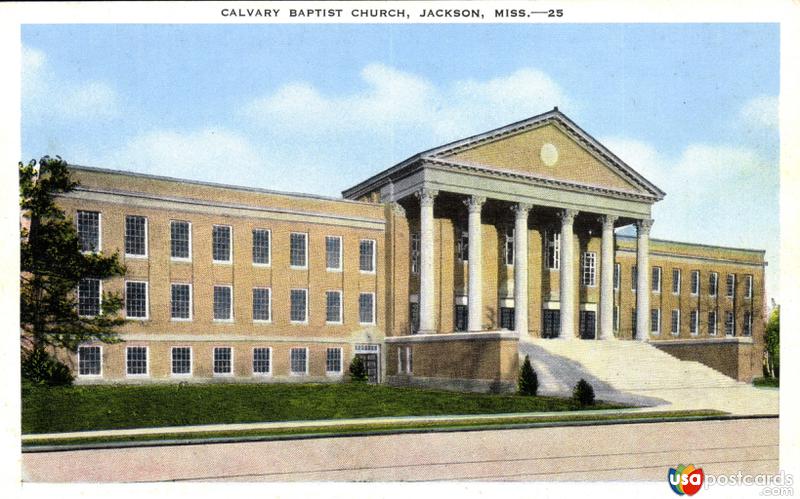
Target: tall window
<point>713,280</point>
<point>634,278</point>
<point>298,361</point>
<point>181,360</point>
<point>413,317</point>
<point>333,253</point>
<point>298,305</point>
<point>261,304</point>
<point>693,320</point>
<point>333,307</point>
<point>553,250</point>
<point>655,320</point>
<point>655,280</point>
<point>88,223</point>
<point>615,319</point>
<point>223,360</point>
<point>415,252</point>
<point>181,302</point>
<point>676,281</point>
<point>617,276</point>
<point>748,286</point>
<point>90,361</point>
<point>136,361</point>
<point>730,285</point>
<point>89,297</point>
<point>462,246</point>
<point>461,318</point>
<point>409,360</point>
<point>223,298</point>
<point>588,269</point>
<point>507,318</point>
<point>135,236</point>
<point>366,255</point>
<point>712,322</point>
<point>695,282</point>
<point>633,321</point>
<point>180,240</point>
<point>261,246</point>
<point>136,300</point>
<point>333,361</point>
<point>298,256</point>
<point>747,327</point>
<point>262,360</point>
<point>730,324</point>
<point>509,246</point>
<point>675,327</point>
<point>366,308</point>
<point>221,243</point>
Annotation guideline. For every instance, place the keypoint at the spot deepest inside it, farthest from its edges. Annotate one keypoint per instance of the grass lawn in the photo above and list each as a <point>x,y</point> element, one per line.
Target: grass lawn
<point>769,382</point>
<point>79,408</point>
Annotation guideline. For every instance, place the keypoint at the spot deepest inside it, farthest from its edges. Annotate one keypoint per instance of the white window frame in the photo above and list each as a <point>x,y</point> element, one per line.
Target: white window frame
<point>415,260</point>
<point>191,302</point>
<point>462,245</point>
<point>373,308</point>
<point>304,321</point>
<point>694,283</point>
<point>229,261</point>
<point>253,362</point>
<point>146,237</point>
<point>589,269</point>
<point>146,360</point>
<point>341,254</point>
<point>233,365</point>
<point>231,316</point>
<point>269,305</point>
<point>99,248</point>
<point>146,300</point>
<point>713,332</point>
<point>341,307</point>
<point>373,256</point>
<point>341,362</point>
<point>677,323</point>
<point>508,233</point>
<point>748,283</point>
<point>715,276</point>
<point>400,363</point>
<point>732,288</point>
<point>615,318</point>
<point>172,364</point>
<point>269,247</point>
<point>634,277</point>
<point>747,323</point>
<point>305,250</point>
<point>100,297</point>
<point>556,243</point>
<point>679,282</point>
<point>298,373</point>
<point>655,285</point>
<point>617,276</point>
<point>732,323</point>
<point>694,322</point>
<point>655,328</point>
<point>178,258</point>
<point>409,360</point>
<point>100,375</point>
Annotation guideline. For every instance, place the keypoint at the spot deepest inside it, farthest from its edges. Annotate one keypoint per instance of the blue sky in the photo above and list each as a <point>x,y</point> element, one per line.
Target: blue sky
<point>317,108</point>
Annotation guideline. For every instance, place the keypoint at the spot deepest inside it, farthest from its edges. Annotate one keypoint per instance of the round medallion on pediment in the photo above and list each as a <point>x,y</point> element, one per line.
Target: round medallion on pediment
<point>549,154</point>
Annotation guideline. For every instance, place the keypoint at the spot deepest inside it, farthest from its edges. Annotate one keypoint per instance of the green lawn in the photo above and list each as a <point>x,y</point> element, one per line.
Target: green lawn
<point>46,410</point>
<point>768,382</point>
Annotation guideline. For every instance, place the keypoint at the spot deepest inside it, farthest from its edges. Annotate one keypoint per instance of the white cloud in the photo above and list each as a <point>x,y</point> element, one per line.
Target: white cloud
<point>393,100</point>
<point>760,112</point>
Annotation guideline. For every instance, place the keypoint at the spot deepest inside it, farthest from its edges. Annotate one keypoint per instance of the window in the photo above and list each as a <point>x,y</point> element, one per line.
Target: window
<point>415,252</point>
<point>135,236</point>
<point>333,307</point>
<point>747,328</point>
<point>400,360</point>
<point>634,278</point>
<point>90,361</point>
<point>693,320</point>
<point>507,318</point>
<point>366,308</point>
<point>633,322</point>
<point>695,282</point>
<point>181,302</point>
<point>712,322</point>
<point>461,318</point>
<point>261,246</point>
<point>675,327</point>
<point>221,243</point>
<point>462,246</point>
<point>333,361</point>
<point>713,279</point>
<point>136,361</point>
<point>655,320</point>
<point>587,324</point>
<point>730,285</point>
<point>617,276</point>
<point>413,317</point>
<point>509,246</point>
<point>730,324</point>
<point>181,360</point>
<point>676,281</point>
<point>262,304</point>
<point>180,240</point>
<point>333,253</point>
<point>89,230</point>
<point>262,360</point>
<point>136,300</point>
<point>655,281</point>
<point>298,361</point>
<point>615,319</point>
<point>748,286</point>
<point>298,305</point>
<point>366,255</point>
<point>409,360</point>
<point>89,293</point>
<point>588,269</point>
<point>551,323</point>
<point>223,309</point>
<point>553,250</point>
<point>297,250</point>
<point>223,361</point>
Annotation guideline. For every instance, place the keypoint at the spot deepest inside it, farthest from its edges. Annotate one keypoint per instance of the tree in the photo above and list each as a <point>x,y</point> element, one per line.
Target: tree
<point>527,383</point>
<point>583,393</point>
<point>772,342</point>
<point>52,266</point>
<point>358,371</point>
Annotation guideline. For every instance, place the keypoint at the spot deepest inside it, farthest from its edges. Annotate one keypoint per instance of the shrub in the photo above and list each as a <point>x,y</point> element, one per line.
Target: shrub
<point>583,393</point>
<point>42,369</point>
<point>358,371</point>
<point>527,384</point>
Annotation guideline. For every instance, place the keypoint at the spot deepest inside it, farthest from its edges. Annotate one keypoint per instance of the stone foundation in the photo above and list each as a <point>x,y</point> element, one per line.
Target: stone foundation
<point>731,356</point>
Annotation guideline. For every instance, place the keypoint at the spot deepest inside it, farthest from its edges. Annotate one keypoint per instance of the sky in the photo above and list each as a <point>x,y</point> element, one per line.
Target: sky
<point>318,108</point>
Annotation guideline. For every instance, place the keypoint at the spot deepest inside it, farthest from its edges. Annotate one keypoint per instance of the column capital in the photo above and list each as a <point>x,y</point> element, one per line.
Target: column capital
<point>398,208</point>
<point>474,203</point>
<point>521,210</point>
<point>607,221</point>
<point>643,226</point>
<point>567,216</point>
<point>426,196</point>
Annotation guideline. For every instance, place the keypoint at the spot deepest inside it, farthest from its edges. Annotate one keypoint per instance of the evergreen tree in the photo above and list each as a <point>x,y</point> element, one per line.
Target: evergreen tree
<point>528,383</point>
<point>358,371</point>
<point>772,342</point>
<point>583,393</point>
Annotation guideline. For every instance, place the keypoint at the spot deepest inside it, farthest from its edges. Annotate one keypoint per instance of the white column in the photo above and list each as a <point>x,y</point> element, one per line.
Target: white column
<point>607,278</point>
<point>475,285</point>
<point>566,274</point>
<point>521,268</point>
<point>643,279</point>
<point>427,322</point>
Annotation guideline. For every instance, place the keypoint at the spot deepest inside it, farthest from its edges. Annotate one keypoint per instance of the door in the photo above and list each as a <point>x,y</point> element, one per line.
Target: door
<point>370,361</point>
<point>551,323</point>
<point>587,325</point>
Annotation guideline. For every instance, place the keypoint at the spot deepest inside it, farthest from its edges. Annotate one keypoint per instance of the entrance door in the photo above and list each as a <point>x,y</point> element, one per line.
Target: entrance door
<point>370,361</point>
<point>587,325</point>
<point>551,323</point>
